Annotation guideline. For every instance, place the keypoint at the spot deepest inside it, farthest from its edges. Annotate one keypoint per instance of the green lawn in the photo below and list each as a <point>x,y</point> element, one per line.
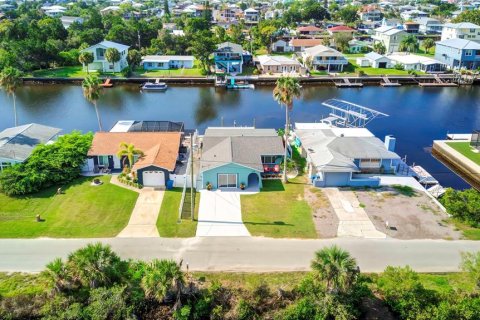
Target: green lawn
<point>167,223</point>
<point>278,211</point>
<point>468,232</point>
<point>83,211</point>
<point>64,72</point>
<point>465,149</point>
<point>194,72</point>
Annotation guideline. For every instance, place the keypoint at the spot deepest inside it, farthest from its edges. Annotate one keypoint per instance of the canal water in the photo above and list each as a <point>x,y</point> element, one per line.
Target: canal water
<point>417,116</point>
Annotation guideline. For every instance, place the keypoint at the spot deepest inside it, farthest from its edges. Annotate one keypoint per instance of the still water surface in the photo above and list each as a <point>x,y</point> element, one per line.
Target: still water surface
<point>417,115</point>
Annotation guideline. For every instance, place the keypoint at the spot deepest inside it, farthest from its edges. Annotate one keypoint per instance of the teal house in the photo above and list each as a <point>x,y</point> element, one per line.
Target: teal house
<point>232,157</point>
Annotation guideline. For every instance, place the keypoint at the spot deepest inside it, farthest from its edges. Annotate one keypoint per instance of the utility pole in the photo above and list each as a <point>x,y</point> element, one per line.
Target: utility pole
<point>192,204</point>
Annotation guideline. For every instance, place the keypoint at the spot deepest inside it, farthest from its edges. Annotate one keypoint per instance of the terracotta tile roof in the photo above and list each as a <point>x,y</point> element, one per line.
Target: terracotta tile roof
<point>340,28</point>
<point>305,42</point>
<point>160,148</point>
<point>308,29</point>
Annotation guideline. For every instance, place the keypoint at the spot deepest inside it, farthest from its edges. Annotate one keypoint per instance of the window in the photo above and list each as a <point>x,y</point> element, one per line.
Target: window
<point>4,165</point>
<point>468,53</point>
<point>103,160</point>
<point>227,180</point>
<point>472,30</point>
<point>160,64</point>
<point>149,64</point>
<point>100,53</point>
<point>370,163</point>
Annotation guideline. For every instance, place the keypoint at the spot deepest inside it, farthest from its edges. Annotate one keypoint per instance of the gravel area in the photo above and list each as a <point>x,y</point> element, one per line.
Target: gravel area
<point>410,214</point>
<point>324,217</point>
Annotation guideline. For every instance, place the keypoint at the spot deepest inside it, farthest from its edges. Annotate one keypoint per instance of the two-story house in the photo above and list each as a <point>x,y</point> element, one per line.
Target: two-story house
<point>458,53</point>
<point>100,61</point>
<point>228,58</point>
<point>251,15</point>
<point>390,37</point>
<point>429,25</point>
<point>463,30</point>
<point>324,58</point>
<point>370,13</point>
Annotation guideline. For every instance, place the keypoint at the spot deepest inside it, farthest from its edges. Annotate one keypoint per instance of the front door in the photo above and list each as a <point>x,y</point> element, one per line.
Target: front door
<point>227,180</point>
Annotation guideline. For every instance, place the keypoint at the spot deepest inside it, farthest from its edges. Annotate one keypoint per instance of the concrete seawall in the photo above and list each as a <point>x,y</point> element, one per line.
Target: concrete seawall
<point>457,162</point>
<point>258,80</point>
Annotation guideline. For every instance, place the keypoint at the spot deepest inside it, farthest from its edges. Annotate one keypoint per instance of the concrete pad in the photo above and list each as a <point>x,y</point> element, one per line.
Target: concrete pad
<point>353,220</point>
<point>220,214</point>
<point>143,221</point>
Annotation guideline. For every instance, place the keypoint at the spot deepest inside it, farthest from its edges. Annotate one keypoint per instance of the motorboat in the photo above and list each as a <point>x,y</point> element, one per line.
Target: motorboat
<point>154,86</point>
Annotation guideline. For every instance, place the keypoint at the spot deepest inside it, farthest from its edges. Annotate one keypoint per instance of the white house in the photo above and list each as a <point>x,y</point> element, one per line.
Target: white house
<point>281,46</point>
<point>415,62</point>
<point>167,62</point>
<point>412,14</point>
<point>251,15</point>
<point>278,64</point>
<point>375,60</point>
<point>429,25</point>
<point>463,30</point>
<point>390,37</point>
<point>100,61</point>
<point>325,58</point>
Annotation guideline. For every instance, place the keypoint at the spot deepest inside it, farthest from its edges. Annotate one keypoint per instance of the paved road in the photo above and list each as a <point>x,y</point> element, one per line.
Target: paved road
<point>245,253</point>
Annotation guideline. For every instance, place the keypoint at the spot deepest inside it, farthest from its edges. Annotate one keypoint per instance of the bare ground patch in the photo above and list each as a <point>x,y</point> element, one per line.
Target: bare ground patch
<point>410,216</point>
<point>324,217</point>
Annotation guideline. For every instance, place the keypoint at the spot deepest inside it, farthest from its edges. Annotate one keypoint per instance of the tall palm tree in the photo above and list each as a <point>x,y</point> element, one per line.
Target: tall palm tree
<point>162,277</point>
<point>336,267</point>
<point>91,91</point>
<point>85,58</point>
<point>112,55</point>
<point>10,80</point>
<point>286,89</point>
<point>95,265</point>
<point>128,151</point>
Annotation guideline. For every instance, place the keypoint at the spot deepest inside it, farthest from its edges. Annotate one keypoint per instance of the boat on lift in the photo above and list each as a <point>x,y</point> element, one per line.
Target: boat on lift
<point>154,86</point>
<point>233,85</point>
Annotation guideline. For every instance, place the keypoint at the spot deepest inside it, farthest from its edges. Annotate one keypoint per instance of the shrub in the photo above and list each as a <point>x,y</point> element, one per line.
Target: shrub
<point>59,162</point>
<point>398,66</point>
<point>245,310</point>
<point>361,73</point>
<point>126,72</point>
<point>463,205</point>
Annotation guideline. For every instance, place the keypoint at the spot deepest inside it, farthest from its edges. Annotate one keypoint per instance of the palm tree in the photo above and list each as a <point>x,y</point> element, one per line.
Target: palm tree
<point>95,266</point>
<point>409,43</point>
<point>161,277</point>
<point>128,151</point>
<point>85,58</point>
<point>10,80</point>
<point>286,89</point>
<point>112,55</point>
<point>336,267</point>
<point>379,48</point>
<point>91,91</point>
<point>428,44</point>
<point>57,273</point>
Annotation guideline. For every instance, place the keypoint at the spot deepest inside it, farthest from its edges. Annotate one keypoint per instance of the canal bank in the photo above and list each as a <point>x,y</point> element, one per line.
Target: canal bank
<point>457,162</point>
<point>429,80</point>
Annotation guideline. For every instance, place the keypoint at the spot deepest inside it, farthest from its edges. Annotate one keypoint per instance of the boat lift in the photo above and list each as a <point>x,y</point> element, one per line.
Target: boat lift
<point>350,115</point>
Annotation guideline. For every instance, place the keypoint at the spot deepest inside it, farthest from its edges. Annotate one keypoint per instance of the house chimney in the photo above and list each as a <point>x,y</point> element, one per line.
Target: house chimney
<point>390,143</point>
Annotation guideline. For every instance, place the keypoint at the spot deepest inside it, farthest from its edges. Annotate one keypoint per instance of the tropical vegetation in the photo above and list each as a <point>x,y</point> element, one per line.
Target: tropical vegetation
<point>10,80</point>
<point>463,205</point>
<point>49,164</point>
<point>91,91</point>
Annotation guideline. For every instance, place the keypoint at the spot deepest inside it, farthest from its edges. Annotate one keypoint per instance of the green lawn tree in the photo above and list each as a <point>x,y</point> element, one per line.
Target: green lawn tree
<point>203,44</point>
<point>128,152</point>
<point>428,44</point>
<point>10,80</point>
<point>409,44</point>
<point>85,58</point>
<point>112,55</point>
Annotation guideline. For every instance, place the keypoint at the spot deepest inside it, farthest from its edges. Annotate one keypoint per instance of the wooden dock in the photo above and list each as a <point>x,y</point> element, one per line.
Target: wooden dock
<point>423,176</point>
<point>347,84</point>
<point>387,83</point>
<point>438,83</point>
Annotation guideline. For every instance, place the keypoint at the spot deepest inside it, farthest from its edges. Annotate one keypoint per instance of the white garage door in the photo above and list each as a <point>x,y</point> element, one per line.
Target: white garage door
<point>153,178</point>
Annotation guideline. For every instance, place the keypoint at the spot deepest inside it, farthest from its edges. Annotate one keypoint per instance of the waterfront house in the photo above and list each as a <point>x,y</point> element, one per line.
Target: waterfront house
<point>376,60</point>
<point>429,25</point>
<point>228,58</point>
<point>278,64</point>
<point>325,58</point>
<point>153,169</point>
<point>416,62</point>
<point>240,155</point>
<point>340,157</point>
<point>100,62</point>
<point>299,45</point>
<point>167,62</point>
<point>359,46</point>
<point>458,53</point>
<point>463,30</point>
<point>17,143</point>
<point>390,37</point>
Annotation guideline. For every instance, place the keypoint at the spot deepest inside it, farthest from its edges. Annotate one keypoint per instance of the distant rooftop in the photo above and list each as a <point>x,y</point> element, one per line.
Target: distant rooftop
<point>147,126</point>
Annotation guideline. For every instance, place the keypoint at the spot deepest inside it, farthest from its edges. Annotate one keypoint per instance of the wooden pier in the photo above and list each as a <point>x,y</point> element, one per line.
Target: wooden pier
<point>387,83</point>
<point>438,83</point>
<point>347,84</point>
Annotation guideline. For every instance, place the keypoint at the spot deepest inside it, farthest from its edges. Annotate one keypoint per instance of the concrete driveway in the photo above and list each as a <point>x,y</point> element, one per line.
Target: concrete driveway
<point>143,221</point>
<point>220,215</point>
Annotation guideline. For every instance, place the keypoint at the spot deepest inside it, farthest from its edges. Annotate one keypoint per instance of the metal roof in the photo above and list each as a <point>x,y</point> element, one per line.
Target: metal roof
<point>17,143</point>
<point>239,131</point>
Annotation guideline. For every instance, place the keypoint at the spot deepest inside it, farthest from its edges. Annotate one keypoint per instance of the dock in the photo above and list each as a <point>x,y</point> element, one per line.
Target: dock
<point>438,83</point>
<point>437,190</point>
<point>387,83</point>
<point>423,176</point>
<point>347,84</point>
<point>459,136</point>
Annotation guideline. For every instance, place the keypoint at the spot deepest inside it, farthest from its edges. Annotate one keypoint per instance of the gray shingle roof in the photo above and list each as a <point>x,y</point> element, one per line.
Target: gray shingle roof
<point>244,150</point>
<point>460,44</point>
<point>17,143</point>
